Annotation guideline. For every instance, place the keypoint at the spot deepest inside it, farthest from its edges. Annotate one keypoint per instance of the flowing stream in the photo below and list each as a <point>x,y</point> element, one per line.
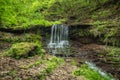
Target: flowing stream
<point>59,43</point>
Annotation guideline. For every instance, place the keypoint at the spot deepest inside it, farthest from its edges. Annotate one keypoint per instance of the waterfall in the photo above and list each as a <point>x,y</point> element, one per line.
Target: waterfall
<point>59,43</point>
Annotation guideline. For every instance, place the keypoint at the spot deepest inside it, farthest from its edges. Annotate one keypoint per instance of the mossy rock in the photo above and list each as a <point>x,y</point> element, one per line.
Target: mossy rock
<point>23,49</point>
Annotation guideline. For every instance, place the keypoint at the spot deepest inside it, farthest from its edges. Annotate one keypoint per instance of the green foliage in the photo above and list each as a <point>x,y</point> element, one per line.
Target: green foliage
<point>113,56</point>
<point>30,79</point>
<point>101,14</point>
<point>12,72</point>
<point>113,51</point>
<point>83,33</point>
<point>90,74</point>
<point>56,60</point>
<point>23,49</point>
<point>97,2</point>
<point>35,64</point>
<point>25,37</point>
<point>22,14</point>
<point>73,62</point>
<point>80,32</point>
<point>76,10</point>
<point>65,9</point>
<point>112,36</point>
<point>99,28</point>
<point>52,64</point>
<point>107,33</point>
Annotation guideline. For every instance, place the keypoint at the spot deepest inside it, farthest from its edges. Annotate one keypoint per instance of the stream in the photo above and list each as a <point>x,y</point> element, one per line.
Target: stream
<point>59,45</point>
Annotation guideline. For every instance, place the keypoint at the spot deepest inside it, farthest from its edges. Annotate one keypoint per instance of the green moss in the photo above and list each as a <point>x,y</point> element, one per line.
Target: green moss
<point>23,49</point>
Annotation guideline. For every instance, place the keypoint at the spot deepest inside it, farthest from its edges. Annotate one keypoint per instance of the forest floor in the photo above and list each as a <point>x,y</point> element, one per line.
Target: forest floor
<point>47,67</point>
<point>39,68</point>
<point>27,69</point>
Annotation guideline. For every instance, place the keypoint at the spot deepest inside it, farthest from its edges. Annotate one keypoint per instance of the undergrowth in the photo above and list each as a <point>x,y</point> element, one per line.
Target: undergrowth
<point>51,65</point>
<point>89,73</point>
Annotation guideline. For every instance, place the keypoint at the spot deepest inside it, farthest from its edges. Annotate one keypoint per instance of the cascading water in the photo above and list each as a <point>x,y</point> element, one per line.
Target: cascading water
<point>59,43</point>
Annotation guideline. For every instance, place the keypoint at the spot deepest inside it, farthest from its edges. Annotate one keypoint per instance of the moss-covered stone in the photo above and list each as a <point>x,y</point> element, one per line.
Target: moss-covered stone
<point>23,49</point>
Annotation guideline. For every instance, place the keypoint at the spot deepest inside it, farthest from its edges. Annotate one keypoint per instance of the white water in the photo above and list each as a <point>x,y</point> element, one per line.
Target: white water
<point>59,43</point>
